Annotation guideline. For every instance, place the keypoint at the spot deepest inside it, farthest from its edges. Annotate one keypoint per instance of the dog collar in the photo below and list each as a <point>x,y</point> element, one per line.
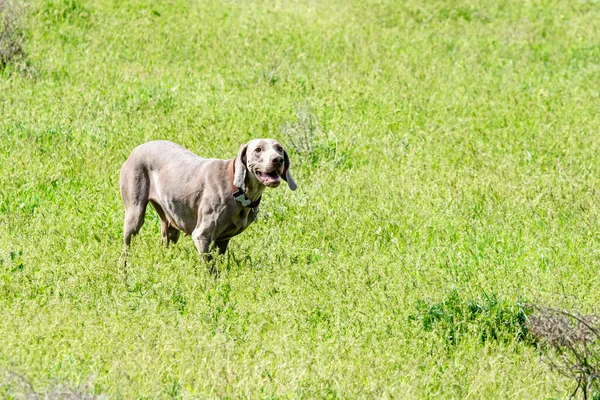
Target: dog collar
<point>241,198</point>
<point>238,194</point>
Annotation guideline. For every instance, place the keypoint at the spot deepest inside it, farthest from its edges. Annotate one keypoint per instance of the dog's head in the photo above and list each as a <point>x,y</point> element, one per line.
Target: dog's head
<point>266,161</point>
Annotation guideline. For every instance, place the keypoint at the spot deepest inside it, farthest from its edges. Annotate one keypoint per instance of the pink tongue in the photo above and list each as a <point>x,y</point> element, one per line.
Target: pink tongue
<point>269,178</point>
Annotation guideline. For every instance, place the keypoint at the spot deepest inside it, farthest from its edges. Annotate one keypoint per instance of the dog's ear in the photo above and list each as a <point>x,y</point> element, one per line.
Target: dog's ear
<point>239,177</point>
<point>287,176</point>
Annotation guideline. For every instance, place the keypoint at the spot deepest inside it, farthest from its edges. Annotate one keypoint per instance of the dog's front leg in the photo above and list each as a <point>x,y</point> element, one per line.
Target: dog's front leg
<point>202,240</point>
<point>204,234</point>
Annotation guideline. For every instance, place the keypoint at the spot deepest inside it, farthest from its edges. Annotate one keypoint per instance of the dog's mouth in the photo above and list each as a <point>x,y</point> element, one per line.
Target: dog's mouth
<point>269,179</point>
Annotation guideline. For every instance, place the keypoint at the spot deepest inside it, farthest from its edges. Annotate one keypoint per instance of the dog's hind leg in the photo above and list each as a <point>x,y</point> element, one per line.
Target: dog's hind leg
<point>134,219</point>
<point>169,233</point>
<point>173,234</point>
<point>222,246</point>
<point>135,190</point>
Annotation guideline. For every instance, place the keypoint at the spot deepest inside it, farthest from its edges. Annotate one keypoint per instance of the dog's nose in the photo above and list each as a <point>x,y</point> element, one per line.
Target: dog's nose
<point>277,160</point>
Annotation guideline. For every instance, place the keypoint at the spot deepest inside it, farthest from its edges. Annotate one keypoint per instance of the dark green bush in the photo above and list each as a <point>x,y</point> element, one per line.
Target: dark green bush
<point>486,316</point>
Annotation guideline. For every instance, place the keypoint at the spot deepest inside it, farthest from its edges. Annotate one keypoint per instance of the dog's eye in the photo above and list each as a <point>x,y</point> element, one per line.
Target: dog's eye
<point>258,150</point>
<point>279,149</point>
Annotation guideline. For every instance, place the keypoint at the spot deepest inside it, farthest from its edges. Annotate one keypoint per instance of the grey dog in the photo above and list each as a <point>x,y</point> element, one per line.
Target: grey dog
<point>213,200</point>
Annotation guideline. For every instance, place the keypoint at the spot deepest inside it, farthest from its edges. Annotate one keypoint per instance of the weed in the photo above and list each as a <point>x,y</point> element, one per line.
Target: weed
<point>486,317</point>
<point>57,12</point>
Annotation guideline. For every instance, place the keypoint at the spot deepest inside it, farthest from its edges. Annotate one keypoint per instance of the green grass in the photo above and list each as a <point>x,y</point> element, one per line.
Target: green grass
<point>456,148</point>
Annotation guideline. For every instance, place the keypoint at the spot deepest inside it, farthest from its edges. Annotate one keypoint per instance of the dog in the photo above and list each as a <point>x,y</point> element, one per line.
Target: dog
<point>210,199</point>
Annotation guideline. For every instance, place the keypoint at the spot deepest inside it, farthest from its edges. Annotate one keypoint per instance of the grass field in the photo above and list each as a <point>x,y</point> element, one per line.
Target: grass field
<point>446,152</point>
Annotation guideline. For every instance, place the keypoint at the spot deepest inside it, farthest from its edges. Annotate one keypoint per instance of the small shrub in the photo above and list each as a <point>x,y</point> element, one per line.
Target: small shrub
<point>301,134</point>
<point>18,387</point>
<point>571,345</point>
<point>12,38</point>
<point>486,317</point>
<point>309,141</point>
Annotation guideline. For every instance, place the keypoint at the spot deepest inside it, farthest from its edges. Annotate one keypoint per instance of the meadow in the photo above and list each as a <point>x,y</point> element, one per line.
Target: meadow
<point>446,155</point>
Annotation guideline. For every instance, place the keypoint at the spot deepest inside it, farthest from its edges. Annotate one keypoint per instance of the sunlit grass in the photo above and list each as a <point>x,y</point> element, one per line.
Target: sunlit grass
<point>454,147</point>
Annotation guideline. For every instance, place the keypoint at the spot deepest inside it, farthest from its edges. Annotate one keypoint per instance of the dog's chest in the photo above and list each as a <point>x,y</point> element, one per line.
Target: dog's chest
<point>238,223</point>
